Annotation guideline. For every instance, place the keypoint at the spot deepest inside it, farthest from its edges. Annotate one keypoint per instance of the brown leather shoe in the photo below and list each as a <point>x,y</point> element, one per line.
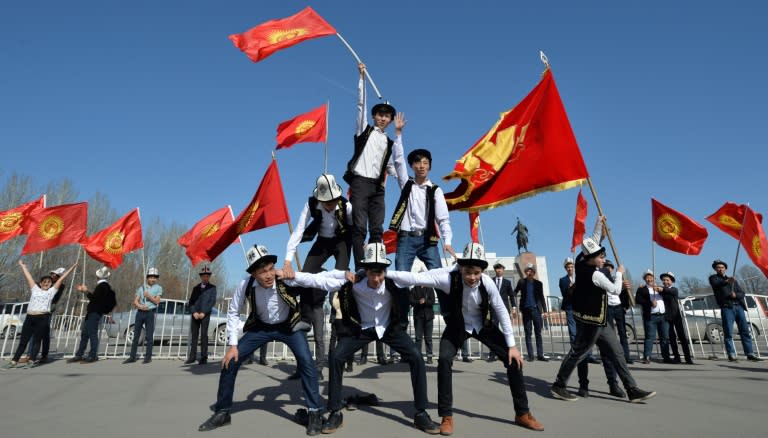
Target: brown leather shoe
<point>446,427</point>
<point>526,420</point>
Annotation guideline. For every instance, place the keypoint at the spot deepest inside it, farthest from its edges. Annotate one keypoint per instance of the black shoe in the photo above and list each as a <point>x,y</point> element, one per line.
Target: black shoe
<point>351,403</point>
<point>429,361</point>
<point>676,360</point>
<point>146,360</point>
<point>315,423</point>
<point>636,395</point>
<point>349,367</point>
<point>594,360</point>
<point>203,360</point>
<point>753,358</point>
<point>362,361</point>
<point>334,421</point>
<point>583,392</point>
<point>491,358</point>
<point>732,359</point>
<point>467,359</point>
<point>646,360</point>
<point>630,362</point>
<point>263,362</point>
<point>616,391</point>
<point>217,420</point>
<point>295,375</point>
<point>529,359</point>
<point>190,361</point>
<point>89,360</point>
<point>130,360</point>
<point>382,361</point>
<point>668,360</point>
<point>75,359</point>
<point>422,422</point>
<point>542,359</point>
<point>562,393</point>
<point>689,361</point>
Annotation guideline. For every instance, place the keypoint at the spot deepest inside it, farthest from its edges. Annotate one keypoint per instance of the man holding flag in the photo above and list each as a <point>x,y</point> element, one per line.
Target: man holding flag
<point>730,299</point>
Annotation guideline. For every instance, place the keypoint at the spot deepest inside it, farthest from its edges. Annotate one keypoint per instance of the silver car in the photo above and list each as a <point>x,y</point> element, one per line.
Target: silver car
<point>700,328</point>
<point>12,316</point>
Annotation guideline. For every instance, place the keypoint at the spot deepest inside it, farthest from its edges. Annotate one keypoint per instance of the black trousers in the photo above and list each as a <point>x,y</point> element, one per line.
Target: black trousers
<point>677,330</point>
<point>34,328</point>
<point>493,338</point>
<point>332,344</point>
<point>367,198</point>
<point>198,327</point>
<point>397,340</point>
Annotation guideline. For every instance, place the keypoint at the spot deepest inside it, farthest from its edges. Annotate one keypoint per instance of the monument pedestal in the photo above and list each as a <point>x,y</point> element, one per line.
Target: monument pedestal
<point>522,260</point>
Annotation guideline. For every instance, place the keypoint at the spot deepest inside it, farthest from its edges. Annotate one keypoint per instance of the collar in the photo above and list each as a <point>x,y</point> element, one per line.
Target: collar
<point>101,281</point>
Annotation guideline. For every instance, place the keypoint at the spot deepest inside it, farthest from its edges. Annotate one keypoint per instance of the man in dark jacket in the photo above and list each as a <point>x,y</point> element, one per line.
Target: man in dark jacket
<point>654,317</point>
<point>730,299</point>
<point>201,303</point>
<point>675,319</point>
<point>507,297</point>
<point>423,300</point>
<point>100,302</point>
<point>533,306</point>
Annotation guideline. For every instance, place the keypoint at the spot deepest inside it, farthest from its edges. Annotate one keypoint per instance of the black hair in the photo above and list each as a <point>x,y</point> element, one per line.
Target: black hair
<point>46,277</point>
<point>383,108</point>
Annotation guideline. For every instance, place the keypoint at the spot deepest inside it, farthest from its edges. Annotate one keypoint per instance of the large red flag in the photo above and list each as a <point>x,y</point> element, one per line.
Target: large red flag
<point>267,208</point>
<point>676,231</point>
<point>51,227</point>
<point>12,221</point>
<point>579,225</point>
<point>122,237</point>
<point>530,149</point>
<point>754,241</point>
<point>729,217</point>
<point>474,226</point>
<point>304,128</point>
<point>267,38</point>
<point>196,240</point>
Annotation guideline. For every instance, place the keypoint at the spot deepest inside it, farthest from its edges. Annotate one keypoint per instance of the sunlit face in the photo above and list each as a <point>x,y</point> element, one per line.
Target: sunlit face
<point>420,168</point>
<point>720,269</point>
<point>205,278</point>
<point>597,261</point>
<point>374,277</point>
<point>530,273</point>
<point>265,275</point>
<point>648,279</point>
<point>666,281</point>
<point>46,283</point>
<point>382,120</point>
<point>499,271</point>
<point>569,269</point>
<point>471,275</point>
<point>151,280</point>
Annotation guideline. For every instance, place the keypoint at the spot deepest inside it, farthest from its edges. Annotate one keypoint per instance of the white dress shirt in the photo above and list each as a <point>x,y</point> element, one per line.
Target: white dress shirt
<point>470,304</point>
<point>612,288</point>
<point>415,217</point>
<point>659,308</point>
<point>326,229</point>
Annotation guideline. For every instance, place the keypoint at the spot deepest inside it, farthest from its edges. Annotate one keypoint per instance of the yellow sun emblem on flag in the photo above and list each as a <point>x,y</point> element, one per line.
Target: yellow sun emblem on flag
<point>757,248</point>
<point>113,244</point>
<point>729,222</point>
<point>304,127</point>
<point>247,218</point>
<point>282,35</point>
<point>10,222</point>
<point>209,231</point>
<point>668,226</point>
<point>51,227</point>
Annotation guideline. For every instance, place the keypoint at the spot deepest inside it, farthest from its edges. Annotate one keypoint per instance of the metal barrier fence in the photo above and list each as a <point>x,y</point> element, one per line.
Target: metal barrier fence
<point>702,321</point>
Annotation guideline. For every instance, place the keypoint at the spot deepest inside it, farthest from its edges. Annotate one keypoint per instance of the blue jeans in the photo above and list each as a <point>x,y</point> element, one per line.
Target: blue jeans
<point>532,317</point>
<point>729,315</point>
<point>617,318</point>
<point>145,319</point>
<point>250,342</point>
<point>657,324</point>
<point>408,248</point>
<point>90,332</point>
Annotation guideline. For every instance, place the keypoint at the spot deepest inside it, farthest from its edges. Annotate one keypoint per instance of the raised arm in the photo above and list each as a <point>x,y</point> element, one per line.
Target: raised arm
<point>436,278</point>
<point>443,221</point>
<point>30,281</point>
<point>362,117</point>
<point>63,276</point>
<point>396,165</point>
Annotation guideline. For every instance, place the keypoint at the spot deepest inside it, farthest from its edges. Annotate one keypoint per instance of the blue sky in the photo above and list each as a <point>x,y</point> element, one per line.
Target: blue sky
<point>151,104</point>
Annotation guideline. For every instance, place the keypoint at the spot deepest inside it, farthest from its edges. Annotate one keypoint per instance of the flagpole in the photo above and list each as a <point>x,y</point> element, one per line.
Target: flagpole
<point>738,245</point>
<point>290,227</point>
<point>607,229</point>
<point>45,204</point>
<point>653,258</point>
<point>359,61</point>
<point>325,160</point>
<point>231,213</point>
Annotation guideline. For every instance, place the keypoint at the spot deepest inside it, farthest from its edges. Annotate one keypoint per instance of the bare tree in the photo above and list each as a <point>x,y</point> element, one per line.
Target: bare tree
<point>693,286</point>
<point>752,280</point>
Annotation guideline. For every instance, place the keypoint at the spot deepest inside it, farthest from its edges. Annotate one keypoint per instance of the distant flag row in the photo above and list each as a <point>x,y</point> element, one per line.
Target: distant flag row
<point>49,227</point>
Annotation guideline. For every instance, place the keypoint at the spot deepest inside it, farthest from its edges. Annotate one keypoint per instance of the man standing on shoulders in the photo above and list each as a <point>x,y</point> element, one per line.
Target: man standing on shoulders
<point>730,299</point>
<point>507,297</point>
<point>654,317</point>
<point>201,302</point>
<point>100,303</point>
<point>146,300</point>
<point>534,306</point>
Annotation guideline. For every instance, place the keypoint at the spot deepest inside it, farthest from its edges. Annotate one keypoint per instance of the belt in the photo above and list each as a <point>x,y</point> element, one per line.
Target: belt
<point>658,314</point>
<point>412,233</point>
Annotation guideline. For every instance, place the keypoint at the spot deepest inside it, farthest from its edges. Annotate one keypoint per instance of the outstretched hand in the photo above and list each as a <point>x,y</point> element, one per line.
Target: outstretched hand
<point>399,123</point>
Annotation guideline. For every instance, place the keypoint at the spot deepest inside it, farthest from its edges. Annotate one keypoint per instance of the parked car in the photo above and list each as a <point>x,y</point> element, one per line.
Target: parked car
<point>757,306</point>
<point>171,324</point>
<point>700,328</point>
<point>12,316</point>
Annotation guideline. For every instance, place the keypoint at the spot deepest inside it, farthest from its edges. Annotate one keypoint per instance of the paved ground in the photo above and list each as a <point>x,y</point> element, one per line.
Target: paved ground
<point>168,399</point>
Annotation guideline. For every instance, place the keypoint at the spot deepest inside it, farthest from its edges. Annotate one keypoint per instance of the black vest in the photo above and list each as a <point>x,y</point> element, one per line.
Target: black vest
<point>590,302</point>
<point>430,236</point>
<point>360,142</point>
<point>452,313</point>
<point>317,217</point>
<point>351,315</point>
<point>286,293</point>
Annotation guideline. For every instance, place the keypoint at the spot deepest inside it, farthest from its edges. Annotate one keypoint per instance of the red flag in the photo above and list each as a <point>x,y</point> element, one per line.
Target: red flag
<point>197,239</point>
<point>729,217</point>
<point>579,226</point>
<point>676,231</point>
<point>754,241</point>
<point>55,226</point>
<point>530,149</point>
<point>474,225</point>
<point>390,241</point>
<point>267,208</point>
<point>304,128</point>
<point>267,38</point>
<point>12,221</point>
<point>122,237</point>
